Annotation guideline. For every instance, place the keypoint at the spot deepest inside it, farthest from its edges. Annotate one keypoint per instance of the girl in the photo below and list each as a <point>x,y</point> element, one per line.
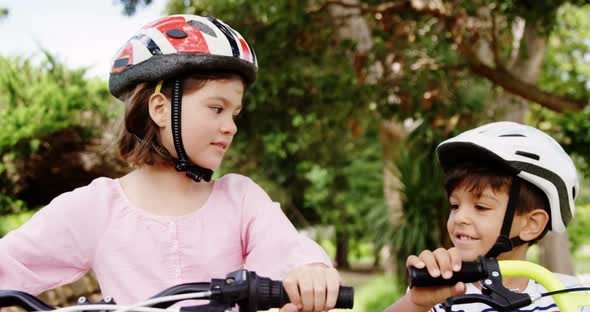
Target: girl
<point>182,79</point>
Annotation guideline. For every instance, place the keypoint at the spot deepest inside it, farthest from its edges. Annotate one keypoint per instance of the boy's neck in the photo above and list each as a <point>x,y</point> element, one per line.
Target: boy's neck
<point>517,253</point>
<point>513,283</point>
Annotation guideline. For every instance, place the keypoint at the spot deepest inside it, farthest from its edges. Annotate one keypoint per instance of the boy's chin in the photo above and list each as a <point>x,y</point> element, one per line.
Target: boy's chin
<point>469,255</point>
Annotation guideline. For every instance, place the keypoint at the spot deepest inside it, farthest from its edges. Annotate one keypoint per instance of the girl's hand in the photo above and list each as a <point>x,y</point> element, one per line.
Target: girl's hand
<point>441,262</point>
<point>311,287</point>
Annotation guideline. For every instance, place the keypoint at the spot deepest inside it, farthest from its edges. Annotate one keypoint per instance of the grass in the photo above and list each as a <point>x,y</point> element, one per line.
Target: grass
<point>377,294</point>
<point>11,222</point>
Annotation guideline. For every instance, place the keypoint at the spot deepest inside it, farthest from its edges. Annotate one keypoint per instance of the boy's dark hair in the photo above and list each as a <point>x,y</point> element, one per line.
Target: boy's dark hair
<point>475,177</point>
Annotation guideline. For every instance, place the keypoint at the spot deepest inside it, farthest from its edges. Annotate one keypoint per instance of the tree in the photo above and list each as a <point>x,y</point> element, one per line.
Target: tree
<point>50,116</point>
<point>434,67</point>
<point>427,50</point>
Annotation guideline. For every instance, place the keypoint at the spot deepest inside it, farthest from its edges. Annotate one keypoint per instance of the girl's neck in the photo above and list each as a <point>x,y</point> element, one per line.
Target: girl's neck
<point>164,191</point>
<point>169,180</point>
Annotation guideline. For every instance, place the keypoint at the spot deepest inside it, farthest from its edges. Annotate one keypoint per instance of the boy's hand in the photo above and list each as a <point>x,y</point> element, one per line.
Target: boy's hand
<point>311,287</point>
<point>441,262</point>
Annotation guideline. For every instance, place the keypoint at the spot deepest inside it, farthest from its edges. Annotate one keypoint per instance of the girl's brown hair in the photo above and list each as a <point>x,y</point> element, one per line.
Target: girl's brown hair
<point>139,139</point>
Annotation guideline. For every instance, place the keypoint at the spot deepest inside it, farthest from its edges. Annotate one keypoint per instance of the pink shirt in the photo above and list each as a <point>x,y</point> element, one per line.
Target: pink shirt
<point>135,254</point>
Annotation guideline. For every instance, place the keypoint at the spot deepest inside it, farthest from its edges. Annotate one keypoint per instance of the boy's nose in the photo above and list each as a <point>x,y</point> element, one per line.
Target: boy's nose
<point>461,215</point>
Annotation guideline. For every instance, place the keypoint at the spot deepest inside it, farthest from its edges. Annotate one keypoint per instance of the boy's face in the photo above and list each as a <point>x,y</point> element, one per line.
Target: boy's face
<point>475,221</point>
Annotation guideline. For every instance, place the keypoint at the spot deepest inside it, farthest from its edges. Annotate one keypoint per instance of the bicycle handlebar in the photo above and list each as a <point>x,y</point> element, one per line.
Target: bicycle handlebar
<point>243,288</point>
<point>489,271</point>
<point>470,272</point>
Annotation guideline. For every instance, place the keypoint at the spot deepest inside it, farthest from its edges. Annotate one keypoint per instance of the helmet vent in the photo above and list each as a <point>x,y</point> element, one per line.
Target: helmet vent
<point>202,27</point>
<point>573,192</point>
<point>529,155</point>
<point>512,135</point>
<point>176,33</point>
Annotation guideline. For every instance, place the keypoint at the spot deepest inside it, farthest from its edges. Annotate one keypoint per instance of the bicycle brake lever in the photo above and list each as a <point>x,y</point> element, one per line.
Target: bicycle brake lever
<point>494,294</point>
<point>499,303</point>
<point>210,307</point>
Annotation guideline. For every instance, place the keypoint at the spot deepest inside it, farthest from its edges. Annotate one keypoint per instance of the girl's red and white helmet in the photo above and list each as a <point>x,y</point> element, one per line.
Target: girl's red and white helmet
<point>526,151</point>
<point>178,44</point>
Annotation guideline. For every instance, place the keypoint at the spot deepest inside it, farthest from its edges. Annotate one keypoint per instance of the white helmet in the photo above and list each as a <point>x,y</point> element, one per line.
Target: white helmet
<point>529,153</point>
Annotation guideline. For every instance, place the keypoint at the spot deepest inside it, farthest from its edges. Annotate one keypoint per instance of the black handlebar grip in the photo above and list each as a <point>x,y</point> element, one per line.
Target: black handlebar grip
<point>271,294</point>
<point>470,272</point>
<point>345,299</point>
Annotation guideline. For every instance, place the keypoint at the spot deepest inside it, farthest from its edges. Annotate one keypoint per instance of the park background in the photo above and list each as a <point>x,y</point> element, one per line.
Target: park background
<point>351,99</point>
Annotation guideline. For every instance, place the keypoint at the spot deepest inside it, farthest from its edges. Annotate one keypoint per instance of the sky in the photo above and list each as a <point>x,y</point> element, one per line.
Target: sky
<point>81,33</point>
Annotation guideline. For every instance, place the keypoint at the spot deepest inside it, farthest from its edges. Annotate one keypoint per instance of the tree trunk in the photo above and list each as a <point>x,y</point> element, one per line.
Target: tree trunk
<point>391,135</point>
<point>353,26</point>
<point>555,254</point>
<point>527,65</point>
<point>342,250</point>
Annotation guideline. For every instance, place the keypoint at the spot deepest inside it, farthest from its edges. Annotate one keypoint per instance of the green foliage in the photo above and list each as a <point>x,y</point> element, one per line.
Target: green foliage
<point>579,229</point>
<point>377,294</point>
<point>570,129</point>
<point>13,221</point>
<point>10,205</point>
<point>37,101</point>
<point>543,12</point>
<point>424,206</point>
<point>566,71</point>
<point>566,68</point>
<point>310,127</point>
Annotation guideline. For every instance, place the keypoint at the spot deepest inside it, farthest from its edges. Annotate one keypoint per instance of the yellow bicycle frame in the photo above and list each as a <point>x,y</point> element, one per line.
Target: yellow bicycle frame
<point>567,302</point>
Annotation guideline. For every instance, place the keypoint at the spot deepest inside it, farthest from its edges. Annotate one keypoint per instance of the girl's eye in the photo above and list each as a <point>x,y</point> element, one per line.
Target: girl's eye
<point>235,116</point>
<point>454,206</point>
<point>217,109</point>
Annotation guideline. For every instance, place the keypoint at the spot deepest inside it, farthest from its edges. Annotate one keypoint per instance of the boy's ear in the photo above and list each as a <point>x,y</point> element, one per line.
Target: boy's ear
<point>159,109</point>
<point>534,225</point>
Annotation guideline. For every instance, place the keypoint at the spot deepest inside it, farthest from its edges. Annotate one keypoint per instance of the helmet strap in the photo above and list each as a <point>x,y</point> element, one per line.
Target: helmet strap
<point>193,171</point>
<point>504,243</point>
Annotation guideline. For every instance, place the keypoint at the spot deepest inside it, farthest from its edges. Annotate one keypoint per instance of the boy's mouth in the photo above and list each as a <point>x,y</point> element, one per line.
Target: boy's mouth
<point>464,237</point>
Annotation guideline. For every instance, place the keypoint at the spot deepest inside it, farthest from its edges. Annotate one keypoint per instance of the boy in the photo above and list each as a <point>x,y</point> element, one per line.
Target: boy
<point>507,184</point>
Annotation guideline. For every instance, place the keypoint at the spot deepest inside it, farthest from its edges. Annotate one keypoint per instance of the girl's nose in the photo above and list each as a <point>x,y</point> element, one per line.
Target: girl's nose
<point>229,127</point>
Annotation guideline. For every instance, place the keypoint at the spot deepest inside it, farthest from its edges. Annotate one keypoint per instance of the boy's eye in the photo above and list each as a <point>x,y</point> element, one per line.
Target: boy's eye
<point>480,207</point>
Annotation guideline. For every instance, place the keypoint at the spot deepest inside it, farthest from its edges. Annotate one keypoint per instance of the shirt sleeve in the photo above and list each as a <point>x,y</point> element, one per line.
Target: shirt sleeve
<point>272,245</point>
<point>51,249</point>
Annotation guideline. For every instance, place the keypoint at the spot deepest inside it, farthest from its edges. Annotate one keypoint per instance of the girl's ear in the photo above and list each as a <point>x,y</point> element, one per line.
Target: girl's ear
<point>159,109</point>
<point>535,223</point>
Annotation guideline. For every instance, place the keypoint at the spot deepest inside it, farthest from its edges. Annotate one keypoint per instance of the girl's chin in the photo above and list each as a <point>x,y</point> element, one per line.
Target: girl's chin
<point>212,164</point>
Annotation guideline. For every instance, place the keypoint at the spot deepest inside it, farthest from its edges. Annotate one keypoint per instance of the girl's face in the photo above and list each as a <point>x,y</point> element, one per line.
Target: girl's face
<point>475,221</point>
<point>207,120</point>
